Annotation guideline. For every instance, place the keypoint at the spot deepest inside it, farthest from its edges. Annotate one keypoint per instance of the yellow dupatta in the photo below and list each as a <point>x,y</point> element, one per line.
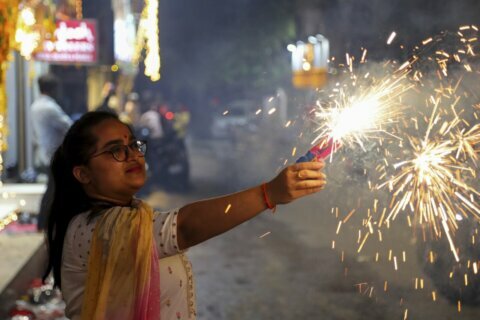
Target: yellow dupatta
<point>123,280</point>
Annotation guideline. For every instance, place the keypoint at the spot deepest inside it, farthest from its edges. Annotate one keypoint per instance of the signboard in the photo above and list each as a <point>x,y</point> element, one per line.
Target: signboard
<point>310,62</point>
<point>74,42</point>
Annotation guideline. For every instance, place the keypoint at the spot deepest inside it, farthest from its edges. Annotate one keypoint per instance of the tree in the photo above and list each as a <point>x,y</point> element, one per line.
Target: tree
<point>225,48</point>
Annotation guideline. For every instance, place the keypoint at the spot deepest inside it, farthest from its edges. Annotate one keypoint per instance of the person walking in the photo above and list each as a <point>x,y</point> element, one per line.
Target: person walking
<point>50,124</point>
<point>111,253</point>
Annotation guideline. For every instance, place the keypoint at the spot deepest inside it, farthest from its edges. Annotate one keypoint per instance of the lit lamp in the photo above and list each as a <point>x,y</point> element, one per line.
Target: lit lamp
<point>310,62</point>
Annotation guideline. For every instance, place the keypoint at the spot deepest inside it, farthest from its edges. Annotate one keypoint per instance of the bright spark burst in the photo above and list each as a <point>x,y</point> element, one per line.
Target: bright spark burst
<point>432,184</point>
<point>353,118</point>
<point>428,186</point>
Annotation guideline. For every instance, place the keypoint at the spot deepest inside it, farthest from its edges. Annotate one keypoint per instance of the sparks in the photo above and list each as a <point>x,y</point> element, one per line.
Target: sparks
<point>391,37</point>
<point>265,234</point>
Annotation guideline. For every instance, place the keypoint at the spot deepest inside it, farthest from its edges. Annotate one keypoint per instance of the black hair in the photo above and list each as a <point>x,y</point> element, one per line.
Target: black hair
<point>69,197</point>
<point>48,84</point>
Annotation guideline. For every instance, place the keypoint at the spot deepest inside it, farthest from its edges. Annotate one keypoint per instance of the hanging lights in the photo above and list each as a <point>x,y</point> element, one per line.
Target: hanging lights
<point>148,38</point>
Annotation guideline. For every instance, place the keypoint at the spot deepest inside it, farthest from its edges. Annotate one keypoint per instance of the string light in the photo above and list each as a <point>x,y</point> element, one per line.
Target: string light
<point>8,15</point>
<point>3,129</point>
<point>147,37</point>
<point>11,217</point>
<point>79,9</point>
<point>34,24</point>
<point>26,35</point>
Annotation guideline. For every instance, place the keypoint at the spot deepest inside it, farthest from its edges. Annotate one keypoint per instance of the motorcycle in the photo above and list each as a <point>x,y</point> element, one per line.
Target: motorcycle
<point>167,160</point>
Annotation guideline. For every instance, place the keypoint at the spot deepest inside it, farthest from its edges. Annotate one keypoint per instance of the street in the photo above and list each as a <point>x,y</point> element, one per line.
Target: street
<point>282,265</point>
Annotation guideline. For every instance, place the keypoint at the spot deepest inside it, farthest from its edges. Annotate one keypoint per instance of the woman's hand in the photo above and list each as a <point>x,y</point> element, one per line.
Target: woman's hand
<point>296,181</point>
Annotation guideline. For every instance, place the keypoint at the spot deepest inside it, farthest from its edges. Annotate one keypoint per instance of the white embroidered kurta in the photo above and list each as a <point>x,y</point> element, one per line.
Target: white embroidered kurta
<point>177,289</point>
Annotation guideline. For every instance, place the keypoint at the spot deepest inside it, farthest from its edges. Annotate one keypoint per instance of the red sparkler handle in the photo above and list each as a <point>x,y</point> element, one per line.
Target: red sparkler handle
<point>318,152</point>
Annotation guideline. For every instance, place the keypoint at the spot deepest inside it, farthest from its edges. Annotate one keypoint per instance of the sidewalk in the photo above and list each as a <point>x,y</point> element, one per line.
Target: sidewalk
<point>17,248</point>
<point>21,196</point>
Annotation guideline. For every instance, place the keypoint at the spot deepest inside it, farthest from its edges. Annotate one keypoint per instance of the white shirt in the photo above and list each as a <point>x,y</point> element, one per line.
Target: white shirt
<point>50,124</point>
<point>177,289</point>
<point>152,121</point>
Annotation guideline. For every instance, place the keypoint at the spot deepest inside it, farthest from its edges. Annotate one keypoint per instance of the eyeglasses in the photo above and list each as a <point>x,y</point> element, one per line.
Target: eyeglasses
<point>121,152</point>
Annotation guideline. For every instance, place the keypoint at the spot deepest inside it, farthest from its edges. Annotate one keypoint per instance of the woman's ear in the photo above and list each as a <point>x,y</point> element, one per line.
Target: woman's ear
<point>81,174</point>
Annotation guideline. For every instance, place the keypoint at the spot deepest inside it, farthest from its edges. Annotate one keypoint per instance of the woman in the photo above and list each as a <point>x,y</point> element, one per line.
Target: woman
<point>105,245</point>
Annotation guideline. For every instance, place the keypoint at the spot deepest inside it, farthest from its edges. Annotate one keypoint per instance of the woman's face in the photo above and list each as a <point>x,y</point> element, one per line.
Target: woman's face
<point>106,178</point>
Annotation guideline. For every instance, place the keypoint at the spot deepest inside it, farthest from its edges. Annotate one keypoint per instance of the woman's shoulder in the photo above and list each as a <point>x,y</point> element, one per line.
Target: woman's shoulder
<point>158,211</point>
<point>80,225</point>
<point>81,220</point>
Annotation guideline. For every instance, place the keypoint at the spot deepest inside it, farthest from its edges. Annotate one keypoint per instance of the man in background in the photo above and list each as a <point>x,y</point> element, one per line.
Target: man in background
<point>50,124</point>
<point>150,128</point>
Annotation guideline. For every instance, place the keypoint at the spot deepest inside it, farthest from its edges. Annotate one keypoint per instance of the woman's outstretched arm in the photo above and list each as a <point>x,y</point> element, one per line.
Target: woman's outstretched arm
<point>202,220</point>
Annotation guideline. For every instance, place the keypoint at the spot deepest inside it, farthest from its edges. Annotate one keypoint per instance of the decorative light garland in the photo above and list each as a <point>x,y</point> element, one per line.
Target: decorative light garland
<point>3,126</point>
<point>34,24</point>
<point>79,9</point>
<point>8,18</point>
<point>11,217</point>
<point>148,38</point>
<point>27,36</point>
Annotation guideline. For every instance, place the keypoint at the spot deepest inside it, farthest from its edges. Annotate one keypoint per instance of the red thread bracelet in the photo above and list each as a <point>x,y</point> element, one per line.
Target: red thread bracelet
<point>265,197</point>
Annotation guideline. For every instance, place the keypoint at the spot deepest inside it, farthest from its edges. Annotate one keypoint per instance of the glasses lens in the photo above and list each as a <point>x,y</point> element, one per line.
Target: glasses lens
<point>120,153</point>
<point>139,146</point>
<point>142,147</point>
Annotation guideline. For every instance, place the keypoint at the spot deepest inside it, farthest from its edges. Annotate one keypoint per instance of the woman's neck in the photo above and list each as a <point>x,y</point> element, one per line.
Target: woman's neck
<point>119,201</point>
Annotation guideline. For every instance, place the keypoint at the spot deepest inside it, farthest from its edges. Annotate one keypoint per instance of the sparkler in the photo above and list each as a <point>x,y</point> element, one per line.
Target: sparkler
<point>353,118</point>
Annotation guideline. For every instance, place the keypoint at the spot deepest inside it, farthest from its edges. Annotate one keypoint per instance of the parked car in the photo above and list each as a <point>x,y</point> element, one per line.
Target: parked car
<point>239,114</point>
